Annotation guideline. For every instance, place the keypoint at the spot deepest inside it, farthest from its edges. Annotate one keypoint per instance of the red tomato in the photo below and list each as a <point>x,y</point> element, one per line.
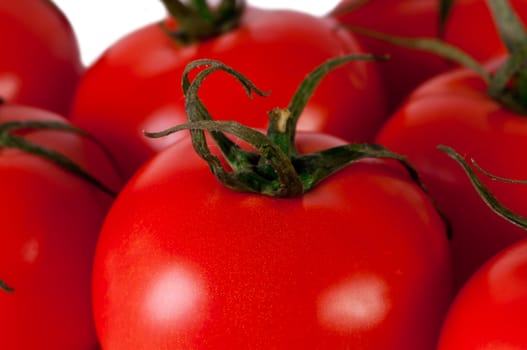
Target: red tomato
<point>135,85</point>
<point>489,312</point>
<point>40,62</point>
<point>454,109</point>
<point>50,223</point>
<point>468,21</point>
<point>183,262</point>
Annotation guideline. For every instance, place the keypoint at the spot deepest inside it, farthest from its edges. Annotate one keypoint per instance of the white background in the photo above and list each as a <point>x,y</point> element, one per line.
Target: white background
<point>99,23</point>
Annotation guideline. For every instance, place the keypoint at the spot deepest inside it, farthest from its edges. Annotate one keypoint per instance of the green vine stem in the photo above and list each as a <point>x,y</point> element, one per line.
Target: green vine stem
<point>274,167</point>
<point>483,192</point>
<point>198,21</point>
<point>5,287</point>
<point>508,84</point>
<point>9,139</point>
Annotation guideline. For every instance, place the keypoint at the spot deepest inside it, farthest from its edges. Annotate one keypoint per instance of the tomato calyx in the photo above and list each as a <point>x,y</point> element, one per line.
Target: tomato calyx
<point>10,139</point>
<point>5,287</point>
<point>273,167</point>
<point>198,21</point>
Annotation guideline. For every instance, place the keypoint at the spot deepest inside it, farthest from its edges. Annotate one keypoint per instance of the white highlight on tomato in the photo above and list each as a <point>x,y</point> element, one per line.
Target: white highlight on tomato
<point>357,303</point>
<point>30,251</point>
<point>9,85</point>
<point>178,296</point>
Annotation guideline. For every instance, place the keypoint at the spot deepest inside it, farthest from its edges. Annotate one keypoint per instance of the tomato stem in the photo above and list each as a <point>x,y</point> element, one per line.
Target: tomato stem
<point>276,161</point>
<point>273,167</point>
<point>198,21</point>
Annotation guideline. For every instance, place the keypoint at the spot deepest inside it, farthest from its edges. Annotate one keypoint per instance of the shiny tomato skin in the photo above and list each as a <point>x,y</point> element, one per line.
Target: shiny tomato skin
<point>489,312</point>
<point>359,262</point>
<point>454,110</point>
<point>50,224</point>
<point>135,85</point>
<point>469,21</point>
<point>40,63</point>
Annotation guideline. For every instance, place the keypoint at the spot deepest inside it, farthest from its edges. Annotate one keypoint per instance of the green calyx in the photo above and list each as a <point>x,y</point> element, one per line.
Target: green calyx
<point>274,168</point>
<point>508,85</point>
<point>9,139</point>
<point>5,287</point>
<point>198,21</point>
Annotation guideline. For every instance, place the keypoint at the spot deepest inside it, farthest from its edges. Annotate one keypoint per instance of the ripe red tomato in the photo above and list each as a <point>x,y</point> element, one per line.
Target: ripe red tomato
<point>489,312</point>
<point>135,84</point>
<point>50,224</point>
<point>40,62</point>
<point>454,109</point>
<point>468,21</point>
<point>183,262</point>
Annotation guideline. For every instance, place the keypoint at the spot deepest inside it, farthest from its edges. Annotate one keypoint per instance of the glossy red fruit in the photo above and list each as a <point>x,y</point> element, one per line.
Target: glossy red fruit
<point>360,261</point>
<point>40,64</point>
<point>489,312</point>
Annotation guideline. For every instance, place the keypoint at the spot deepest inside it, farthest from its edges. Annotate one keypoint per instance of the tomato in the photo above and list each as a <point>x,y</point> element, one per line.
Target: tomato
<point>50,224</point>
<point>499,289</point>
<point>454,109</point>
<point>468,21</point>
<point>184,262</point>
<point>135,85</point>
<point>40,63</point>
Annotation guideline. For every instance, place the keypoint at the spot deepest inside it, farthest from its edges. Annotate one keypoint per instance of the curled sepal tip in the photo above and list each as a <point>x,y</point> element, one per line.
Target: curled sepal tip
<point>483,191</point>
<point>9,139</point>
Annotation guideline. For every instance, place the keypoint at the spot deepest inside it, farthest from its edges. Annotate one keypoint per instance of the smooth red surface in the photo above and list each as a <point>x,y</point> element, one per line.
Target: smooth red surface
<point>40,63</point>
<point>361,261</point>
<point>489,312</point>
<point>136,84</point>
